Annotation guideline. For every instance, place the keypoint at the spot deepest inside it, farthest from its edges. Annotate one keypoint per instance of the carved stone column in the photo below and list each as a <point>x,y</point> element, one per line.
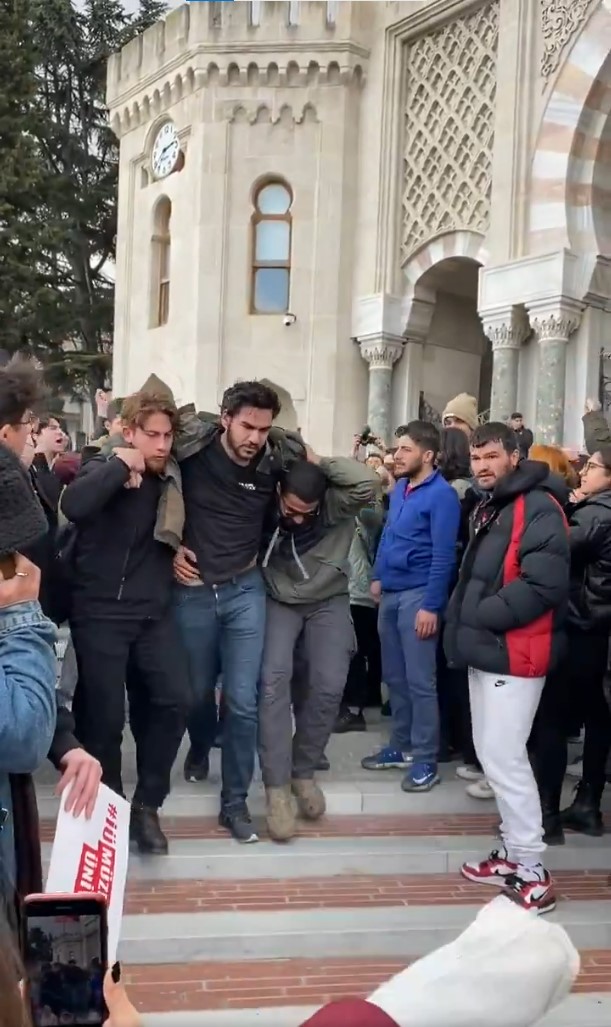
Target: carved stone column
<point>381,354</point>
<point>506,332</point>
<point>553,328</point>
<point>505,358</point>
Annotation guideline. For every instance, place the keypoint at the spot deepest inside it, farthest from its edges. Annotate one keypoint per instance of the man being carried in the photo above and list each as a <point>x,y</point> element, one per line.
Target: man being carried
<point>122,610</point>
<point>306,572</point>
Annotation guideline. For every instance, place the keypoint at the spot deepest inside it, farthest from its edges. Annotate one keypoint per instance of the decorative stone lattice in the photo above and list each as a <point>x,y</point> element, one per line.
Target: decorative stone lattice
<point>560,21</point>
<point>449,128</point>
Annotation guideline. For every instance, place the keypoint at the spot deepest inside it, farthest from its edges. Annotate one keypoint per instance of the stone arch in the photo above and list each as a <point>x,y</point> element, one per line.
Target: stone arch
<point>570,201</point>
<point>447,346</point>
<point>451,244</point>
<point>288,415</point>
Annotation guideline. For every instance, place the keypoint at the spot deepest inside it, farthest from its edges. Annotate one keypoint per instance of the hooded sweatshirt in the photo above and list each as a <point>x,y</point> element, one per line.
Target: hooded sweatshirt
<point>509,968</point>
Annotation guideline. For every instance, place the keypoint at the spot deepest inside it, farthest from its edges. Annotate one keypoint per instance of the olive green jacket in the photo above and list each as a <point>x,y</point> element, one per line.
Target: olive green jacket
<point>322,572</point>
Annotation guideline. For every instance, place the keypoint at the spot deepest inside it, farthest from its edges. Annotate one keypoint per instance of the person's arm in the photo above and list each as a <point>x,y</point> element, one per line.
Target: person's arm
<point>445,524</point>
<point>584,526</point>
<point>543,582</point>
<point>529,438</point>
<point>28,670</point>
<point>96,483</point>
<point>352,486</point>
<point>596,430</point>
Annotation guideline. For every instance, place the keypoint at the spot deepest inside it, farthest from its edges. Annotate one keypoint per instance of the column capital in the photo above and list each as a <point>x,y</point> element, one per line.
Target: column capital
<point>381,352</point>
<point>555,323</point>
<point>506,329</point>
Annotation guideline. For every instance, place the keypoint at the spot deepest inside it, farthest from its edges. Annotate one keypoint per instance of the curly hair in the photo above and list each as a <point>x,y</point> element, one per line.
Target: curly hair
<point>250,394</point>
<point>21,389</point>
<point>138,407</point>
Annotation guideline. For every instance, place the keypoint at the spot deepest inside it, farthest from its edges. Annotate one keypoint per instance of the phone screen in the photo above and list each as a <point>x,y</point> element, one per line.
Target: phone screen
<point>65,955</point>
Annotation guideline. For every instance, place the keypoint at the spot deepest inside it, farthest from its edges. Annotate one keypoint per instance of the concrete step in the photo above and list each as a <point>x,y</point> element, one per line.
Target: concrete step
<point>223,859</point>
<point>407,931</point>
<point>365,794</point>
<point>592,1010</point>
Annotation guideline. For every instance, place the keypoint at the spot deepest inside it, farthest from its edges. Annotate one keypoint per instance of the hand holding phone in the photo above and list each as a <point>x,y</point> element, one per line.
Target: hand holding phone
<point>64,948</point>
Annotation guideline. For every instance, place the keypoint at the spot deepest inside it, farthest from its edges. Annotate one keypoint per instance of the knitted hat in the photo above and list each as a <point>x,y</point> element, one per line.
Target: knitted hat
<point>22,520</point>
<point>464,407</point>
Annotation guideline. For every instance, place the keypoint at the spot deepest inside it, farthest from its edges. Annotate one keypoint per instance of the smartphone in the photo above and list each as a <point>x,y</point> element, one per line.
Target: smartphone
<point>65,954</point>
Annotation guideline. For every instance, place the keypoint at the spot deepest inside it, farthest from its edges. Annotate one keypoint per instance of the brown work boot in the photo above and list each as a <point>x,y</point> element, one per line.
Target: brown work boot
<point>280,814</point>
<point>310,799</point>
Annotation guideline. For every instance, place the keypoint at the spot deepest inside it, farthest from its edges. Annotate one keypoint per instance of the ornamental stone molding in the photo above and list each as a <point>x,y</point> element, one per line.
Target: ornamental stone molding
<point>449,128</point>
<point>503,336</point>
<point>560,22</point>
<point>556,327</point>
<point>191,50</point>
<point>381,354</point>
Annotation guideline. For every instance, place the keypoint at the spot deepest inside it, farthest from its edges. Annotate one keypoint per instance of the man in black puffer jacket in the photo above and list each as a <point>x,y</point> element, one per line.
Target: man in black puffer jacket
<point>505,622</point>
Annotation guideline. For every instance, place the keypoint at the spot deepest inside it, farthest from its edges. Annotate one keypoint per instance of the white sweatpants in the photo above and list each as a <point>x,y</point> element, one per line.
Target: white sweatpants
<point>503,709</point>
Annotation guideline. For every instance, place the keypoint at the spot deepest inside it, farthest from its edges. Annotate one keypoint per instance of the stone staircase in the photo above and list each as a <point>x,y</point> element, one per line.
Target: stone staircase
<point>236,936</point>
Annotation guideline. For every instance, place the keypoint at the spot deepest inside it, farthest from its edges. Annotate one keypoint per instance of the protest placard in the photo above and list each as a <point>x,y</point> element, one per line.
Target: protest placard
<point>92,856</point>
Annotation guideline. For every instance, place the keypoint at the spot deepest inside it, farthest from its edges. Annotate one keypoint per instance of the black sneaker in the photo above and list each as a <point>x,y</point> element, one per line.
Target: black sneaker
<point>349,721</point>
<point>239,824</point>
<point>145,831</point>
<point>323,763</point>
<point>196,769</point>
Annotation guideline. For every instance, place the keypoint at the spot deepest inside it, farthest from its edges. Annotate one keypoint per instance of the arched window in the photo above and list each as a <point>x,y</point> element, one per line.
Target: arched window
<point>161,252</point>
<point>271,247</point>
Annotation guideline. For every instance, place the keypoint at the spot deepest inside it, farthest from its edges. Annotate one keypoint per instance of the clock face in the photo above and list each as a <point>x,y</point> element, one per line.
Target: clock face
<point>166,150</point>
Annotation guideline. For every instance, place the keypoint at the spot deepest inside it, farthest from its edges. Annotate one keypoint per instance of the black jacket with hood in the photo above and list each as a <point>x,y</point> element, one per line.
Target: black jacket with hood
<point>590,538</point>
<point>507,612</point>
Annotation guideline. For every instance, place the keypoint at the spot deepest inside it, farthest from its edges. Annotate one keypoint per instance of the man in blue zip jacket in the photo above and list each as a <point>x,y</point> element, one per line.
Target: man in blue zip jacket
<point>411,578</point>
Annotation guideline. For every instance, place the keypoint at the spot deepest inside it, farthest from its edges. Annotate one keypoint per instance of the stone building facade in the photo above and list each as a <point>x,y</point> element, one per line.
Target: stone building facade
<point>372,205</point>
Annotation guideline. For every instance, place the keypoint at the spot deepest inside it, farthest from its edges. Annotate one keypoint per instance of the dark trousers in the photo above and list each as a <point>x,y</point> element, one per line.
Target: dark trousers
<point>456,731</point>
<point>363,685</point>
<point>148,655</point>
<point>577,683</point>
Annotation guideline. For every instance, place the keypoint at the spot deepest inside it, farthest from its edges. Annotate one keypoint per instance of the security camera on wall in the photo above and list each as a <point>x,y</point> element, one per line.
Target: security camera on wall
<point>289,319</point>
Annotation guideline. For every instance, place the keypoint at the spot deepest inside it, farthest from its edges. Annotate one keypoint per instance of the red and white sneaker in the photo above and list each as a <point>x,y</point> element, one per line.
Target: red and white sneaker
<point>531,889</point>
<point>493,870</point>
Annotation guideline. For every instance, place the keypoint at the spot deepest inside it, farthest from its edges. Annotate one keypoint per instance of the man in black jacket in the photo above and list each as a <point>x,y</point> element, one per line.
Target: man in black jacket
<point>20,392</point>
<point>505,623</point>
<point>121,610</point>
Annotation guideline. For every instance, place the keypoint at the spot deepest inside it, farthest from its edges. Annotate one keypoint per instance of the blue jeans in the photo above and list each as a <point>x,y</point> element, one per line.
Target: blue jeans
<point>223,628</point>
<point>409,670</point>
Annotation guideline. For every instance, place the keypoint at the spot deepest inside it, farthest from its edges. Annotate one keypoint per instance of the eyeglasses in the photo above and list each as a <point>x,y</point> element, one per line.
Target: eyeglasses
<point>591,464</point>
<point>27,420</point>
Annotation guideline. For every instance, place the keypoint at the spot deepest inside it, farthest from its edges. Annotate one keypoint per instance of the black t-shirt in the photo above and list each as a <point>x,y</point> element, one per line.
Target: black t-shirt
<point>225,507</point>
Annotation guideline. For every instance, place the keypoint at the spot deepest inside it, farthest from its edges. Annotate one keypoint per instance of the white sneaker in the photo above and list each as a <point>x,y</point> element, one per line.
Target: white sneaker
<point>575,770</point>
<point>467,772</point>
<point>480,790</point>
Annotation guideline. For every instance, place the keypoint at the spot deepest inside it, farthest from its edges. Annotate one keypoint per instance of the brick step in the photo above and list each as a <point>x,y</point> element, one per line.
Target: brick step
<point>334,932</point>
<point>337,825</point>
<point>290,982</point>
<point>344,892</point>
<point>332,826</point>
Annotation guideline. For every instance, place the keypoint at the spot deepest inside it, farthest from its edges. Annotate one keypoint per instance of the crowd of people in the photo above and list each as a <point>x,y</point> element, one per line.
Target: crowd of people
<point>190,554</point>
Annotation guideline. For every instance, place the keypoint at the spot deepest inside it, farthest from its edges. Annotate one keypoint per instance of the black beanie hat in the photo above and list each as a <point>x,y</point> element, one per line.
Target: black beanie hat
<point>22,519</point>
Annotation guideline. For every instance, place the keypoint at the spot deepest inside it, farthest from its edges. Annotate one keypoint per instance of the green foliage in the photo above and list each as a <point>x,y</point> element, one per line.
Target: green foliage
<point>58,182</point>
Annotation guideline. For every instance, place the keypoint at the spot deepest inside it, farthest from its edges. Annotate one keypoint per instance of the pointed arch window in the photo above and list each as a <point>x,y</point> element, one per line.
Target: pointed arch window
<point>272,227</point>
<point>161,254</point>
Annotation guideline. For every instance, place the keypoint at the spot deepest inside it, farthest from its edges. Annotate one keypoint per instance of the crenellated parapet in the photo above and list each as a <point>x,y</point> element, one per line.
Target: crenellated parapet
<point>238,47</point>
